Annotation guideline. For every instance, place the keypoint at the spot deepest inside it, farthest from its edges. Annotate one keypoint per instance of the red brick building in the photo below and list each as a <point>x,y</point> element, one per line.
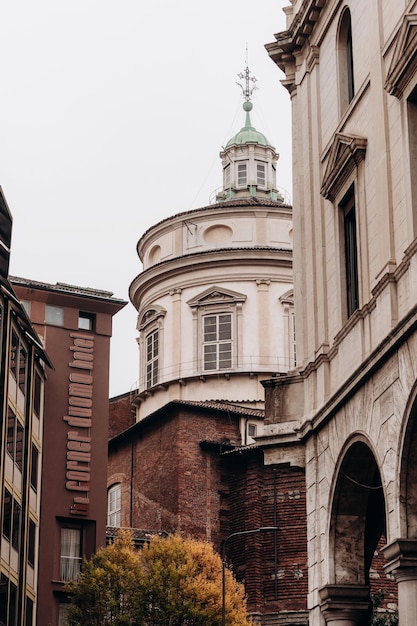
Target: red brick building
<point>184,469</point>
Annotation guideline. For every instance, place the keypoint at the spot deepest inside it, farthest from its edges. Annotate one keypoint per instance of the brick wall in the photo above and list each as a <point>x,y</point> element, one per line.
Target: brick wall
<point>273,564</point>
<point>174,483</point>
<point>121,415</point>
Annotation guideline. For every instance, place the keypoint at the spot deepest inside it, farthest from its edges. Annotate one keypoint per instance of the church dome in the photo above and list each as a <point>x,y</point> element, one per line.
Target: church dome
<point>248,134</point>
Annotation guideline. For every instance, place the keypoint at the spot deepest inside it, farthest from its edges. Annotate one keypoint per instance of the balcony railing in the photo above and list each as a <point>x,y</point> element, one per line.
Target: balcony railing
<point>70,567</point>
<point>264,365</point>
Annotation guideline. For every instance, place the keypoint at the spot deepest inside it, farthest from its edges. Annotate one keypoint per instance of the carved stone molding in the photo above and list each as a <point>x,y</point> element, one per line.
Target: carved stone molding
<point>403,64</point>
<point>346,152</point>
<point>216,295</point>
<point>348,603</point>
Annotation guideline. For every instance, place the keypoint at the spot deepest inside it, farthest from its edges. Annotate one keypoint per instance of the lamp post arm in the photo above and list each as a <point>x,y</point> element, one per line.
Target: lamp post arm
<point>238,533</point>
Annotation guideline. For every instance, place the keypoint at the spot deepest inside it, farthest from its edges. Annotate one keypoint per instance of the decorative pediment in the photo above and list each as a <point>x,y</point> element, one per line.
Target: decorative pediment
<point>346,152</point>
<point>403,64</point>
<point>149,316</point>
<point>287,298</point>
<point>215,296</point>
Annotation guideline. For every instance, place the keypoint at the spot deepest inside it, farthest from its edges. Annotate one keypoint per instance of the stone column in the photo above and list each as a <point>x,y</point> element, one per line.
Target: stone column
<point>344,605</point>
<point>402,563</point>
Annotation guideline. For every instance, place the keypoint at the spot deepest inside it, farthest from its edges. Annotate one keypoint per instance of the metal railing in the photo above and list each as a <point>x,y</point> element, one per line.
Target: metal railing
<point>264,365</point>
<point>70,567</point>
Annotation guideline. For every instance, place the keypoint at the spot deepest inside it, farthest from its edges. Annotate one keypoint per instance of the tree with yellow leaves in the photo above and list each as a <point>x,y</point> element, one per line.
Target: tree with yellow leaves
<point>171,582</point>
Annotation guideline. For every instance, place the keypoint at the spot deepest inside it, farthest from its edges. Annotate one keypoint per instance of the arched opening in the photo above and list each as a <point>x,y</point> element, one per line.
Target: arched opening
<point>357,534</point>
<point>358,516</point>
<point>345,59</point>
<point>408,499</point>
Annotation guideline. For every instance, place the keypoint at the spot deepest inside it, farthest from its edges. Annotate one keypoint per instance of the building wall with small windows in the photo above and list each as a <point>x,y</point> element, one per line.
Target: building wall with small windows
<point>75,326</point>
<point>349,412</point>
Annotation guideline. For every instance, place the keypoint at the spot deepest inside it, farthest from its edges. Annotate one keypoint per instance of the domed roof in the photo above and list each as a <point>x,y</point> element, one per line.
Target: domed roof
<point>248,134</point>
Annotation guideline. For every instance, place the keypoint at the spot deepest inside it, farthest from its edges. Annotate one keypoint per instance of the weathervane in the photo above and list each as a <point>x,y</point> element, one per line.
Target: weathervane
<point>249,85</point>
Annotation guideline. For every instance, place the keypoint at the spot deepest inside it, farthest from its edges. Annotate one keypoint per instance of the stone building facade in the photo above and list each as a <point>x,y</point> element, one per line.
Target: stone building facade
<point>349,410</point>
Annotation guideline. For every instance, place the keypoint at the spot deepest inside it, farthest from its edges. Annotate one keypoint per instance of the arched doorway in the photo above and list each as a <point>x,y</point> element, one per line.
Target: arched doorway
<point>357,522</point>
<point>401,553</point>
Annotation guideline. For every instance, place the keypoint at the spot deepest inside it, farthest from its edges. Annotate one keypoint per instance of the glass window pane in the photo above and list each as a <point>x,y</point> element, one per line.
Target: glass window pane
<point>225,355</point>
<point>31,542</point>
<point>7,514</point>
<point>34,467</point>
<point>260,171</point>
<point>37,394</point>
<point>16,525</point>
<point>19,445</point>
<point>70,553</point>
<point>11,432</point>
<point>114,505</point>
<point>14,346</point>
<point>22,369</point>
<point>225,327</point>
<point>210,328</point>
<point>54,315</point>
<point>241,174</point>
<point>210,357</point>
<point>86,321</point>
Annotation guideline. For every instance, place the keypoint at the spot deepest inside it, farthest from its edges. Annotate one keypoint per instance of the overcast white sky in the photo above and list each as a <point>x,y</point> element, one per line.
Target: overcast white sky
<point>112,116</point>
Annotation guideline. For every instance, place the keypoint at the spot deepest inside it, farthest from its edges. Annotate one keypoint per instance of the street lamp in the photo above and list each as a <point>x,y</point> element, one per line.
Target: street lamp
<point>262,529</point>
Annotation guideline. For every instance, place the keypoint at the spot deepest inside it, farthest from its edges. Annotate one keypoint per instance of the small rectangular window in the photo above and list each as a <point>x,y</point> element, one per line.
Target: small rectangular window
<point>293,341</point>
<point>15,438</point>
<point>7,514</point>
<point>26,305</point>
<point>63,614</point>
<point>23,357</point>
<point>37,394</point>
<point>242,174</point>
<point>152,358</point>
<point>16,521</point>
<point>252,430</point>
<point>31,542</point>
<point>70,553</point>
<point>226,179</point>
<point>54,315</point>
<point>14,352</point>
<point>29,611</point>
<point>34,468</point>
<point>114,500</point>
<point>261,174</point>
<point>86,321</point>
<point>350,251</point>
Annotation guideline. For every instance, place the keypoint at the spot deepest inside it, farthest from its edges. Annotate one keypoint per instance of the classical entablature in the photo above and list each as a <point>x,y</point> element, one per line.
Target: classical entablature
<point>287,44</point>
<point>403,64</point>
<point>346,152</point>
<point>216,296</point>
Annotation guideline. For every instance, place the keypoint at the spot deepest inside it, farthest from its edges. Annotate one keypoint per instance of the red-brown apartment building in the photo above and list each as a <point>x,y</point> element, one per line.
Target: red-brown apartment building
<point>75,325</point>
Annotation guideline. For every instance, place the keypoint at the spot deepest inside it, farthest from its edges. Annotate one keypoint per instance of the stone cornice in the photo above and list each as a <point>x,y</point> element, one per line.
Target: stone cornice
<point>380,355</point>
<point>289,42</point>
<point>403,64</point>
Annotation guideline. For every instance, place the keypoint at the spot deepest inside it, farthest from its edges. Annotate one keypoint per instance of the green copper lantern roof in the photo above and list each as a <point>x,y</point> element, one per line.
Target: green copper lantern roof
<point>248,134</point>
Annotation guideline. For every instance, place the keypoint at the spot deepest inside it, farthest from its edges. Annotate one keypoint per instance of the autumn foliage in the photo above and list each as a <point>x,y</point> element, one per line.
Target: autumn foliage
<point>171,582</point>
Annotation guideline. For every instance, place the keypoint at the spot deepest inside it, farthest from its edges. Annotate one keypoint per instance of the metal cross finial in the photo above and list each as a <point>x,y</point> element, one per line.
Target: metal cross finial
<point>249,85</point>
